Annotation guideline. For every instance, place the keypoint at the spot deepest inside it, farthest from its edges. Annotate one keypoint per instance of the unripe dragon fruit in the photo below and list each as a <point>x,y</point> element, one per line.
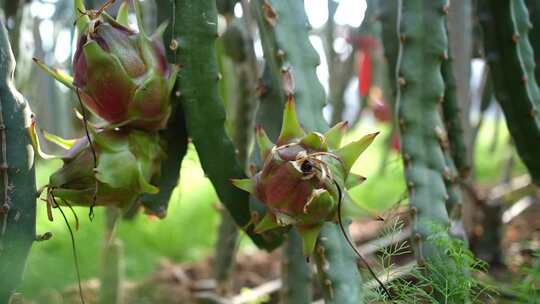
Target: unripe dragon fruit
<point>303,177</point>
<point>122,76</point>
<point>127,161</point>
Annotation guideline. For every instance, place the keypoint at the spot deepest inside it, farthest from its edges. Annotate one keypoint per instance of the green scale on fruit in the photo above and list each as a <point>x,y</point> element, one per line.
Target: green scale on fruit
<point>303,177</point>
<point>121,75</point>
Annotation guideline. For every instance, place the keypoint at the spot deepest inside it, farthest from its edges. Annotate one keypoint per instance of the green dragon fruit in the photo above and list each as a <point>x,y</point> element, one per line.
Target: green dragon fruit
<point>126,163</point>
<point>303,177</point>
<point>120,75</point>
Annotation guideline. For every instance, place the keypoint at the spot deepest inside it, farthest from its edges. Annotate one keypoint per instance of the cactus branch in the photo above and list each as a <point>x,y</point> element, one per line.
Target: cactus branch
<point>18,188</point>
<point>457,164</point>
<point>176,140</point>
<point>196,28</point>
<point>453,122</point>
<point>510,58</point>
<point>295,274</point>
<point>388,14</point>
<point>112,261</point>
<point>238,45</point>
<point>423,48</point>
<point>534,13</point>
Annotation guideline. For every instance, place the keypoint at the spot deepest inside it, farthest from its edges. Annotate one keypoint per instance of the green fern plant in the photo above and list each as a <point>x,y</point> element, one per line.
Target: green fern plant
<point>527,290</point>
<point>417,287</point>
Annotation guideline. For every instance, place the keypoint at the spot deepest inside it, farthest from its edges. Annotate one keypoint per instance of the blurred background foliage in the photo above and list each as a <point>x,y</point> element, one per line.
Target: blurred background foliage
<point>45,30</point>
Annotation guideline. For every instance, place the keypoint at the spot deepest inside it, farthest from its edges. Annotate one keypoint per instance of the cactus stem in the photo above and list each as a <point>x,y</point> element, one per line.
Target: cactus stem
<point>5,177</point>
<point>17,202</point>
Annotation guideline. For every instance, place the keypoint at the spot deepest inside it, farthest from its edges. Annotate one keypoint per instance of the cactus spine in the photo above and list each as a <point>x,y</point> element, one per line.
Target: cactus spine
<point>509,55</point>
<point>18,186</point>
<point>291,62</point>
<point>423,48</point>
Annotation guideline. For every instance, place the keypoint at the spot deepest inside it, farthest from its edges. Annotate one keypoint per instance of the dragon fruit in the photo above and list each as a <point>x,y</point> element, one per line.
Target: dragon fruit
<point>303,177</point>
<point>121,75</point>
<point>127,161</point>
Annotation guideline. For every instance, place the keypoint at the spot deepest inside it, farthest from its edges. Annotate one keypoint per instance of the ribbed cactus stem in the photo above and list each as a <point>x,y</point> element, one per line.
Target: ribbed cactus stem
<point>455,151</point>
<point>226,245</point>
<point>339,284</point>
<point>460,35</point>
<point>388,15</point>
<point>295,273</point>
<point>272,96</point>
<point>175,135</point>
<point>22,41</point>
<point>509,55</point>
<point>225,253</point>
<point>453,121</point>
<point>237,40</point>
<point>423,48</point>
<point>176,142</point>
<point>17,187</point>
<point>301,60</point>
<point>112,271</point>
<point>534,13</point>
<point>195,33</point>
<point>335,95</point>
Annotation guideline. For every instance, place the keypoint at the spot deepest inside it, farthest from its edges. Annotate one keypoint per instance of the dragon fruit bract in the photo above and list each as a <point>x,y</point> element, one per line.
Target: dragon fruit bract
<point>127,161</point>
<point>121,75</point>
<point>303,177</point>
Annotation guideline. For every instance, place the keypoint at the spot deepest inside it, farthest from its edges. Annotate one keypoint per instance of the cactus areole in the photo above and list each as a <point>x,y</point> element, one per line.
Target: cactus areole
<point>303,176</point>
